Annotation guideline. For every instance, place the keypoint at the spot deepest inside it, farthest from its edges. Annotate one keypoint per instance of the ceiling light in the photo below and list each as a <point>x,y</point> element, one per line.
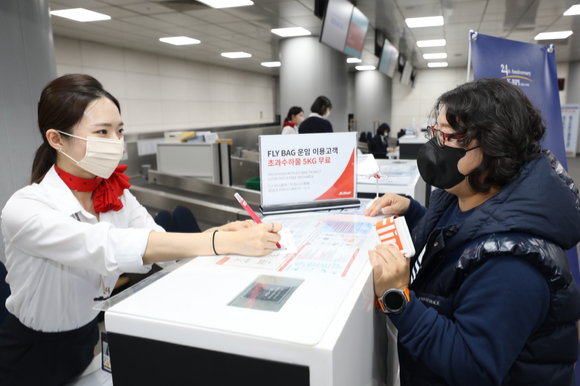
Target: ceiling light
<point>180,40</point>
<point>271,64</point>
<point>419,22</point>
<point>236,55</point>
<point>441,55</point>
<point>573,10</point>
<point>287,32</point>
<point>437,64</point>
<point>353,60</point>
<point>227,3</point>
<point>80,14</point>
<point>553,35</point>
<point>431,43</point>
<point>365,68</point>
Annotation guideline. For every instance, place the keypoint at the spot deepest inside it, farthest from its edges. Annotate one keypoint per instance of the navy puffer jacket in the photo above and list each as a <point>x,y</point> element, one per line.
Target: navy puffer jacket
<point>535,218</point>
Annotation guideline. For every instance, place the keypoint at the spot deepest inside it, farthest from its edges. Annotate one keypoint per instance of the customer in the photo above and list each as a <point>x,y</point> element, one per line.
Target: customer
<point>491,300</point>
<point>293,120</point>
<point>76,228</point>
<point>379,144</point>
<point>317,121</point>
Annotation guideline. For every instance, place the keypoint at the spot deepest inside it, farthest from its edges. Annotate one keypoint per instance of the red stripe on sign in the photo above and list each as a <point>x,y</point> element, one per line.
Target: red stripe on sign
<point>350,263</point>
<point>290,259</point>
<point>223,261</point>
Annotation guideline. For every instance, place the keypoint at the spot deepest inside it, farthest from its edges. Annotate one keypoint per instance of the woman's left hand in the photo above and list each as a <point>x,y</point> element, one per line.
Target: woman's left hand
<point>390,268</point>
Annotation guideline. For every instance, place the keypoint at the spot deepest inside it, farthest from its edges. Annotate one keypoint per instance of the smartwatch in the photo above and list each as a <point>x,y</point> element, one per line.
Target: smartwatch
<point>394,300</point>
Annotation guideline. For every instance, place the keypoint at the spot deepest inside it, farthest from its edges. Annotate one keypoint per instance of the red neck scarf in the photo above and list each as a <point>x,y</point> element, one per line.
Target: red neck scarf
<point>106,191</point>
<point>289,123</point>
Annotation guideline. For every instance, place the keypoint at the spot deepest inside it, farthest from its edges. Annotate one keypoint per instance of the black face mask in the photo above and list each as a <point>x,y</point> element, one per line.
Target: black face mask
<point>438,165</point>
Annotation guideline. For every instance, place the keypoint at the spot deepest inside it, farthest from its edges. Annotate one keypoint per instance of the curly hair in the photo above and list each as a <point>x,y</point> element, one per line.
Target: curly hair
<point>502,119</point>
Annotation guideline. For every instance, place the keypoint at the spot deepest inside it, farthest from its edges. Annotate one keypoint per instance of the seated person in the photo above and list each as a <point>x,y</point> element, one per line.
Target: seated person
<point>379,144</point>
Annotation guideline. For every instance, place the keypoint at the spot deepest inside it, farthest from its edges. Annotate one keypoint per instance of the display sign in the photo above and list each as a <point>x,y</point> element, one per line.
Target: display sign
<point>389,59</point>
<point>570,118</point>
<point>357,31</point>
<point>305,170</point>
<point>344,28</point>
<point>336,24</point>
<point>406,74</point>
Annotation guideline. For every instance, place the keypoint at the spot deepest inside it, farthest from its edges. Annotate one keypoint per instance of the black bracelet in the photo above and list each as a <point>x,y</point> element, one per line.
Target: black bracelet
<point>213,241</point>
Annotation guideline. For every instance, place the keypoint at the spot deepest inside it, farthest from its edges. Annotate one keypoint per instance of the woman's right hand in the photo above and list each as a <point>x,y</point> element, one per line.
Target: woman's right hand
<point>259,240</point>
<point>390,203</point>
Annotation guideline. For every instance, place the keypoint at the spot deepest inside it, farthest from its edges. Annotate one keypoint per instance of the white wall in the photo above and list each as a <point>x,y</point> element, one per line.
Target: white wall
<point>159,93</point>
<point>417,102</point>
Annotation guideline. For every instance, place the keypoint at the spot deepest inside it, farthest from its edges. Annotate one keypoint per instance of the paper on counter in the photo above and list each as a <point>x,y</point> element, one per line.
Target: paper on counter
<point>287,243</point>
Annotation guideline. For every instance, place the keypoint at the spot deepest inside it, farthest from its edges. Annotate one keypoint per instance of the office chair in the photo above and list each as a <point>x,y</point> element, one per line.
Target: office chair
<point>369,136</point>
<point>185,220</point>
<point>363,137</point>
<point>164,219</point>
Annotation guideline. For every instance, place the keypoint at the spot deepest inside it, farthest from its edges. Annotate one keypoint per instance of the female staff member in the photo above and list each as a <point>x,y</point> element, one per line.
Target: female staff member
<point>75,229</point>
<point>317,121</point>
<point>490,300</point>
<point>293,120</point>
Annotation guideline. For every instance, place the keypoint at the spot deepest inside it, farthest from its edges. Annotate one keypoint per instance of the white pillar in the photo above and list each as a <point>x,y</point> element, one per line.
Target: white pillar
<point>310,69</point>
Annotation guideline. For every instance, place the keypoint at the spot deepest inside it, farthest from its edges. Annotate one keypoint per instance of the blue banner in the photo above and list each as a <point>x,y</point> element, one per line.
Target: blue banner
<point>532,68</point>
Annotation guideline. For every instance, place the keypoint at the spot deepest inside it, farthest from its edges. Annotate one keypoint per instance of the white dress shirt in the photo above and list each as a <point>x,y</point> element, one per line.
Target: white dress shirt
<point>60,258</point>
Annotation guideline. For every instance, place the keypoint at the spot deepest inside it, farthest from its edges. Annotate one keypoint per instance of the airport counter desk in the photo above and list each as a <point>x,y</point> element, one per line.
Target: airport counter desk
<point>305,315</point>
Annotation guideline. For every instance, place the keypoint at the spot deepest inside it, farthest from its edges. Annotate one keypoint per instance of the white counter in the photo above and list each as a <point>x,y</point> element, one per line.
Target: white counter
<point>329,326</point>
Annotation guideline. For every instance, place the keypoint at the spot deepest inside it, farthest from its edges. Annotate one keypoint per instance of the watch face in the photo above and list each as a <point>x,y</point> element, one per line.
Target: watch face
<point>394,300</point>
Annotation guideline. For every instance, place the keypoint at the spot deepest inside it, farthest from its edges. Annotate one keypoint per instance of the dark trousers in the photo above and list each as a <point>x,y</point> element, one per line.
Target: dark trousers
<point>29,357</point>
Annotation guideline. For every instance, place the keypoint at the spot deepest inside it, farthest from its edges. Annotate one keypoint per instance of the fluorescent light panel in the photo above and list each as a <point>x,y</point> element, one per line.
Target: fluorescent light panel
<point>420,22</point>
<point>437,64</point>
<point>553,35</point>
<point>353,60</point>
<point>80,14</point>
<point>365,68</point>
<point>179,40</point>
<point>431,43</point>
<point>287,32</point>
<point>236,55</point>
<point>573,10</point>
<point>441,55</point>
<point>227,3</point>
<point>271,64</point>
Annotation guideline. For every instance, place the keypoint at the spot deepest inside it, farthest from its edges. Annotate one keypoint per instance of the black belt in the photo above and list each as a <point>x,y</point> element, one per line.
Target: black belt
<point>29,357</point>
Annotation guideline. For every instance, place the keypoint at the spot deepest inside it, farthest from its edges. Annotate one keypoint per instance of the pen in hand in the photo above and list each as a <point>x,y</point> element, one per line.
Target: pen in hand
<point>253,215</point>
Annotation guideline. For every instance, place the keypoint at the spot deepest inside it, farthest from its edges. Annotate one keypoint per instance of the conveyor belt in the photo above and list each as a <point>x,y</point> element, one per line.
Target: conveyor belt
<point>210,203</point>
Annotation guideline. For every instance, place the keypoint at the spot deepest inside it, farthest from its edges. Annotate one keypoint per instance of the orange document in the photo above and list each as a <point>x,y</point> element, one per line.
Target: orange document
<point>394,230</point>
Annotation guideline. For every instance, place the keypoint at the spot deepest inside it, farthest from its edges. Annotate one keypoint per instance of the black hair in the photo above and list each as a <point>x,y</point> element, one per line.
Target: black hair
<point>382,128</point>
<point>320,104</point>
<point>503,121</point>
<point>293,111</point>
<point>61,106</point>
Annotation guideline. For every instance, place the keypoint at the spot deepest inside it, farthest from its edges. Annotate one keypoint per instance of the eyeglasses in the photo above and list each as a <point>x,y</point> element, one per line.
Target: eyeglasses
<point>441,137</point>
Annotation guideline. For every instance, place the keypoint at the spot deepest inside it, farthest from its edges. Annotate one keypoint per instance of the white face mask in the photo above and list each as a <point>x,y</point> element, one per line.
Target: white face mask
<point>327,114</point>
<point>102,156</point>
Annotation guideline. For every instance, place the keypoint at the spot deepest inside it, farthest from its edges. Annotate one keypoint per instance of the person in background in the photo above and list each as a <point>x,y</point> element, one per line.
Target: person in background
<point>317,121</point>
<point>76,228</point>
<point>379,144</point>
<point>293,120</point>
<point>489,298</point>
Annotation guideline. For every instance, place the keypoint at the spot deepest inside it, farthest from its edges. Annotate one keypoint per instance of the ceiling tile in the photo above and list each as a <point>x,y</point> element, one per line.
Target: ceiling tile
<point>213,16</point>
<point>146,22</point>
<point>180,19</point>
<point>147,8</point>
<point>288,9</point>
